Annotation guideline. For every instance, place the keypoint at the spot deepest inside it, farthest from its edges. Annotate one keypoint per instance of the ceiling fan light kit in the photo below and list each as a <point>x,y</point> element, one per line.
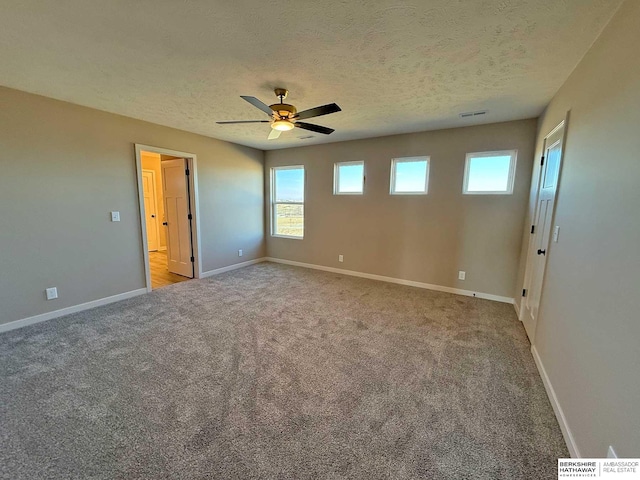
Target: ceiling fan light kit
<point>285,117</point>
<point>282,125</point>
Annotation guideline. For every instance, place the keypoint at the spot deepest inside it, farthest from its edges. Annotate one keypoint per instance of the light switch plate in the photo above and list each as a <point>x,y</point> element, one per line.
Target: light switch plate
<point>115,216</point>
<point>556,233</point>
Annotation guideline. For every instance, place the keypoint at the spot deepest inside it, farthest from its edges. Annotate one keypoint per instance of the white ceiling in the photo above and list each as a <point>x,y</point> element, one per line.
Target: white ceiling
<point>393,66</point>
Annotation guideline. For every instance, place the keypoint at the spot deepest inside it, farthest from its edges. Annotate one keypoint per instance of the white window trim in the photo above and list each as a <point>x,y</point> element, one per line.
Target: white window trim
<point>497,153</point>
<point>336,177</point>
<point>273,199</point>
<point>392,181</point>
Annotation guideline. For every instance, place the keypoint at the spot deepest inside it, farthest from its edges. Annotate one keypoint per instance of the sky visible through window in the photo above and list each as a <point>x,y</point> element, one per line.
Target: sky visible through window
<point>489,174</point>
<point>410,176</point>
<point>350,178</point>
<point>289,185</point>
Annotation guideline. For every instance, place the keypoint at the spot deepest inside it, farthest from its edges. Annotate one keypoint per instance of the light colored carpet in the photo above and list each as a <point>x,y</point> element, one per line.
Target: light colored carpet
<point>277,372</point>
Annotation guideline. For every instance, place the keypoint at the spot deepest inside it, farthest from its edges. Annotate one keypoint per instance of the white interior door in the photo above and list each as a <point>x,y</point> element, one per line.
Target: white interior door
<point>542,229</point>
<point>176,212</point>
<point>150,209</point>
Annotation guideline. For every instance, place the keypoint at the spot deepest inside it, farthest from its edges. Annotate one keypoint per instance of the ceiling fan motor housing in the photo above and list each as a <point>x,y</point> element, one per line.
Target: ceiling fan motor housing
<point>283,110</point>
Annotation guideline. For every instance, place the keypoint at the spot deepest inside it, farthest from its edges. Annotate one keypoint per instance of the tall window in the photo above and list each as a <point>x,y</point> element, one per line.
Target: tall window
<point>409,176</point>
<point>348,178</point>
<point>287,201</point>
<point>489,173</point>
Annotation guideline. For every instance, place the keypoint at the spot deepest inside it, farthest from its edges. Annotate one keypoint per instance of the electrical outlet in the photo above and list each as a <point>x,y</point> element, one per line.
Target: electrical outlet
<point>462,275</point>
<point>115,216</point>
<point>52,293</point>
<point>240,252</point>
<point>611,453</point>
<point>340,258</point>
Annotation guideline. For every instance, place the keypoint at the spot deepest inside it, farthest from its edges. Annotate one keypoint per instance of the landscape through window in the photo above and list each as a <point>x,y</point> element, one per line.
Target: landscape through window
<point>288,201</point>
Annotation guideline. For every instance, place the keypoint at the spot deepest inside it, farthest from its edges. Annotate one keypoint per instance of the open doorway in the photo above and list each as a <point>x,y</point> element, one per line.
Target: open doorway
<point>168,202</point>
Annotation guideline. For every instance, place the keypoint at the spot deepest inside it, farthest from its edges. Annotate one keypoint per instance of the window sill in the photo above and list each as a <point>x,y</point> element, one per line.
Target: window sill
<point>287,236</point>
<point>399,194</point>
<point>487,193</point>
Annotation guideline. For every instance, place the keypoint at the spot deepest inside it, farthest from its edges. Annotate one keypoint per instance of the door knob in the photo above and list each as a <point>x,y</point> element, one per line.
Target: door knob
<point>153,216</point>
<point>542,252</point>
<point>165,223</point>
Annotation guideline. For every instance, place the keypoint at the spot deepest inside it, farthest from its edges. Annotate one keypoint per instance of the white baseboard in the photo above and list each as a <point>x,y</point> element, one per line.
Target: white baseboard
<point>400,281</point>
<point>235,266</point>
<point>516,307</point>
<point>5,327</point>
<point>557,409</point>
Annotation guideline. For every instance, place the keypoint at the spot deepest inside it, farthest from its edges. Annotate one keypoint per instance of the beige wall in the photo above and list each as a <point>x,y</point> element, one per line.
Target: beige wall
<point>63,168</point>
<point>420,238</point>
<point>151,161</point>
<point>589,324</point>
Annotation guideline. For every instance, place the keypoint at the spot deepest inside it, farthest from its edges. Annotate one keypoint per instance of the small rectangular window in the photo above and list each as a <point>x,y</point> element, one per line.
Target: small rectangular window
<point>409,176</point>
<point>489,173</point>
<point>348,178</point>
<point>287,201</point>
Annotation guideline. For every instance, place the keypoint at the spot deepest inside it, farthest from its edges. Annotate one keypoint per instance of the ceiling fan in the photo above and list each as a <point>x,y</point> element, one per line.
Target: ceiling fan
<point>286,117</point>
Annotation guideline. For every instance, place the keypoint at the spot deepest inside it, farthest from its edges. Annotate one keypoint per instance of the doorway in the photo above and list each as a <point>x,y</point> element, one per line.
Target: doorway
<point>542,229</point>
<point>168,213</point>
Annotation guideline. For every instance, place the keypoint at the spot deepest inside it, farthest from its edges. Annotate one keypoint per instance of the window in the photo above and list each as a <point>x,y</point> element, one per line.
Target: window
<point>348,178</point>
<point>409,176</point>
<point>287,201</point>
<point>489,173</point>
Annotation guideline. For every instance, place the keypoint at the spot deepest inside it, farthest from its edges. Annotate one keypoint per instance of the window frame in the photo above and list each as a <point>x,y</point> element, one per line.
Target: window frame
<point>392,180</point>
<point>274,203</point>
<point>336,177</point>
<point>495,153</point>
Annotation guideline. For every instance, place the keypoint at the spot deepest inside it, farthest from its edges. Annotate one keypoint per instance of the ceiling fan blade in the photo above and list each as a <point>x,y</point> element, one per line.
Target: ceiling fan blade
<point>318,111</point>
<point>274,134</point>
<point>244,121</point>
<point>315,128</point>
<point>258,104</point>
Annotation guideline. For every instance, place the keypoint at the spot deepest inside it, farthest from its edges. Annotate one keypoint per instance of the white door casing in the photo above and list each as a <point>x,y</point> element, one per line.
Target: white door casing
<point>151,209</point>
<point>176,211</point>
<point>542,227</point>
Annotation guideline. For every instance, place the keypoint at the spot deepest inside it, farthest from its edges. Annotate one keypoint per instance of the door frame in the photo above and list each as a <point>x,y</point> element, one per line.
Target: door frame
<point>192,163</point>
<point>155,198</point>
<point>526,283</point>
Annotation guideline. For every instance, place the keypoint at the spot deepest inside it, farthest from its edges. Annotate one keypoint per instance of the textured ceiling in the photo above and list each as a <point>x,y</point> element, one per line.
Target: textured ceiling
<point>393,66</point>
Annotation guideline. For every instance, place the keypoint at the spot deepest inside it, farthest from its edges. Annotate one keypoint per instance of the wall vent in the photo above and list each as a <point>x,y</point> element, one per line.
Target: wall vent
<point>473,114</point>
